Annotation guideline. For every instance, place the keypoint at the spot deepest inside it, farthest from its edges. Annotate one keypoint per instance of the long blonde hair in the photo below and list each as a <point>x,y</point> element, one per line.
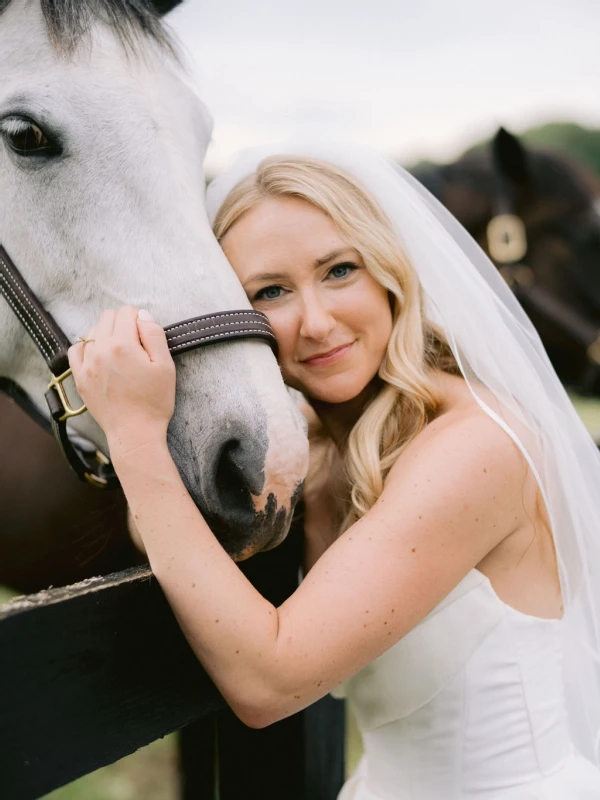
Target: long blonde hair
<point>407,398</point>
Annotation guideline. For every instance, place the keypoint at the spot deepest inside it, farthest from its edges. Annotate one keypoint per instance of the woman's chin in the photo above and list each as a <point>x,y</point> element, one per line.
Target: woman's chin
<point>334,395</point>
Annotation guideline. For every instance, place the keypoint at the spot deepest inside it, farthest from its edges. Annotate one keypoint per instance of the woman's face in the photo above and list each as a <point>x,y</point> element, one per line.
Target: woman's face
<point>331,318</point>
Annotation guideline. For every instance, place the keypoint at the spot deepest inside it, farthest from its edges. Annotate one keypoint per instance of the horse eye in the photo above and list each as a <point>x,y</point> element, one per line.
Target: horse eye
<point>26,138</point>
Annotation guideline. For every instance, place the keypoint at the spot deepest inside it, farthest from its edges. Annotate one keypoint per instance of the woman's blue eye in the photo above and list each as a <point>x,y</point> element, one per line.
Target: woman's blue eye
<point>341,270</point>
<point>269,293</point>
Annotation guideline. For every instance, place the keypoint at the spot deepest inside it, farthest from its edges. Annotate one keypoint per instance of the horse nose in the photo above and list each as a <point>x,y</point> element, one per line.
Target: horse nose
<point>237,474</point>
<point>233,477</point>
<point>244,477</point>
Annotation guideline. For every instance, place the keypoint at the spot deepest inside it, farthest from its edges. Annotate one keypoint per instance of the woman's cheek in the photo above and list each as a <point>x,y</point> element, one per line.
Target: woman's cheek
<point>284,333</point>
<point>289,378</point>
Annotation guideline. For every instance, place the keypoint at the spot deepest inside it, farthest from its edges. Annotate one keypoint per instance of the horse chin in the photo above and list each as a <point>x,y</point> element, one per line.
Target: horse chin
<point>268,529</point>
<point>247,532</point>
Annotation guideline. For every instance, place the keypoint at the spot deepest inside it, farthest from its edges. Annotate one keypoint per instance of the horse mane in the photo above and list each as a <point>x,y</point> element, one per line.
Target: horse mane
<point>69,21</point>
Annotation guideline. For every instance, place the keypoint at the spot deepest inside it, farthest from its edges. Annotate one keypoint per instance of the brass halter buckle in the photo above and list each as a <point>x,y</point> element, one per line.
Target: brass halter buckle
<point>506,238</point>
<point>56,383</point>
<point>97,480</point>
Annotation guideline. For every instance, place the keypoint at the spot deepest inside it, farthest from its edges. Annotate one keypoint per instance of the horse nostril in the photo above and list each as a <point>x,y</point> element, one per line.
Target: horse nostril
<point>239,471</point>
<point>231,482</point>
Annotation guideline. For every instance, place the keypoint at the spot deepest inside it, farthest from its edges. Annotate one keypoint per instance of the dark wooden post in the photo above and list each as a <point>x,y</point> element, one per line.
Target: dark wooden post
<point>299,758</point>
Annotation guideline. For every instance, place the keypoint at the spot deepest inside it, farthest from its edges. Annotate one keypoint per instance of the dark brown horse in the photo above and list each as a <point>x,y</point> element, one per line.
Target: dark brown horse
<point>552,259</point>
<point>55,529</point>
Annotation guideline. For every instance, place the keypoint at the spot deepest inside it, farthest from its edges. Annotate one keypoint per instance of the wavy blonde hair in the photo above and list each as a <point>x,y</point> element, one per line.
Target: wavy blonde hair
<point>407,398</point>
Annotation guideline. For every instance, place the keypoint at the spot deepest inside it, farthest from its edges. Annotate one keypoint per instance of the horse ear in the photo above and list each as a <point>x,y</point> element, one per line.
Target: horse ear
<point>510,157</point>
<point>163,7</point>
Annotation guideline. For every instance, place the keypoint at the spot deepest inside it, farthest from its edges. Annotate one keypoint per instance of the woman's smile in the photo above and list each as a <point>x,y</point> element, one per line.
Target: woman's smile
<point>329,357</point>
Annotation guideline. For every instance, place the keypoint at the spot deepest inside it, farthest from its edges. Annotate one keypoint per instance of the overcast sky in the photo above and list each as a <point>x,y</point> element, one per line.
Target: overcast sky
<point>413,78</point>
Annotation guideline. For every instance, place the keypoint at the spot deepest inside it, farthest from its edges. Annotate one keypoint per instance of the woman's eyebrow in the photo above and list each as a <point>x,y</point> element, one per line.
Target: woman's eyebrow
<point>335,254</point>
<point>279,276</point>
<point>267,276</point>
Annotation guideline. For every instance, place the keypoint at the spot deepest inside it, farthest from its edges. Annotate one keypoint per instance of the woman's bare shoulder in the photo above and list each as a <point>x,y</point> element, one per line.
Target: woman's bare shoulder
<point>465,455</point>
<point>467,432</point>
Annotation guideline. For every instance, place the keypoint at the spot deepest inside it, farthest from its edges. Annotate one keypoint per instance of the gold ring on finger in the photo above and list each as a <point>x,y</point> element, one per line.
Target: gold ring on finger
<point>83,341</point>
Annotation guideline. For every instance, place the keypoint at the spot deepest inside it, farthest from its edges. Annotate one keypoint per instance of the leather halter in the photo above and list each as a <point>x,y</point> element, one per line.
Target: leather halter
<point>90,464</point>
<point>507,245</point>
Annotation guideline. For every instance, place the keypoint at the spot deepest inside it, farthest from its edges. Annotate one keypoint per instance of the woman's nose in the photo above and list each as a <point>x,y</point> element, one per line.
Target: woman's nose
<point>317,321</point>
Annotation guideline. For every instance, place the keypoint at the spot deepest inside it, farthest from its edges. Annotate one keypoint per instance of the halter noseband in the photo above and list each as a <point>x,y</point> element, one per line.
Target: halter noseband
<point>92,465</point>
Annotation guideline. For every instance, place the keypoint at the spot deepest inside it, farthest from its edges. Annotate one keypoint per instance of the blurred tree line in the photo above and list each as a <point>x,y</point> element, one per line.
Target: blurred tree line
<point>581,144</point>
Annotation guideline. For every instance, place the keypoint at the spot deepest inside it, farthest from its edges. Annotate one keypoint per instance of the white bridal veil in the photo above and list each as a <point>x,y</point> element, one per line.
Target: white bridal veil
<point>497,349</point>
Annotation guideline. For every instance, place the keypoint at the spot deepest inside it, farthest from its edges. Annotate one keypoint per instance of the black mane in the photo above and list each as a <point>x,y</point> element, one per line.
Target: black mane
<point>69,21</point>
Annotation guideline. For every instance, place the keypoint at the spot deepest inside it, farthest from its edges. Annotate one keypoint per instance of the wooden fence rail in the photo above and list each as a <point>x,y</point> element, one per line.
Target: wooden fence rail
<point>91,672</point>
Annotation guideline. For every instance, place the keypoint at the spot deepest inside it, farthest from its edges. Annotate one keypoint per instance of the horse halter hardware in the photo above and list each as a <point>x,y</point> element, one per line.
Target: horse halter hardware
<point>92,465</point>
<point>507,245</point>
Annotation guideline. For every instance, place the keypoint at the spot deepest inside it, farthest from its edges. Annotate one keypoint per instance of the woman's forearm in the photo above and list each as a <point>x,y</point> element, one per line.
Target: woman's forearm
<point>230,626</point>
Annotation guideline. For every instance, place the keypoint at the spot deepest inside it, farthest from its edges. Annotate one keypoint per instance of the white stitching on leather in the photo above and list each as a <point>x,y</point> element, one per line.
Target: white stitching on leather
<point>8,289</point>
<point>220,315</point>
<point>33,308</point>
<point>33,318</point>
<point>221,335</point>
<point>28,300</point>
<point>222,325</point>
<point>24,321</point>
<point>11,299</point>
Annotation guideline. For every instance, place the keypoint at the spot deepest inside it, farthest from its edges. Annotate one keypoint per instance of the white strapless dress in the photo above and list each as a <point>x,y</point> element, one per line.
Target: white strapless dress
<point>468,705</point>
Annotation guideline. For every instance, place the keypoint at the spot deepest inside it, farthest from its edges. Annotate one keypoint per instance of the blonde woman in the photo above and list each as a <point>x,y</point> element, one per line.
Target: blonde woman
<point>451,503</point>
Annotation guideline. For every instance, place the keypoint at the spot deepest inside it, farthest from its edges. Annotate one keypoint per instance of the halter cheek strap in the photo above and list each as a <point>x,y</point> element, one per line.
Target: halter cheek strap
<point>53,344</point>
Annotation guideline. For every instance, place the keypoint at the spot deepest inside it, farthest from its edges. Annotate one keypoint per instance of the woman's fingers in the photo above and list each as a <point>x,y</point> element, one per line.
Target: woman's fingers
<point>104,329</point>
<point>152,337</point>
<point>128,367</point>
<point>125,326</point>
<point>76,358</point>
<point>77,351</point>
<point>121,329</point>
<point>139,327</point>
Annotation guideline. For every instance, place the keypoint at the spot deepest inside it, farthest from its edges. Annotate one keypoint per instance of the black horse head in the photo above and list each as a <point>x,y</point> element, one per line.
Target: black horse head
<point>557,206</point>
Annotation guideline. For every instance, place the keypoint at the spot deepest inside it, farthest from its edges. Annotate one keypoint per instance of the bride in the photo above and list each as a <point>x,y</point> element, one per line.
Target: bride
<point>452,502</point>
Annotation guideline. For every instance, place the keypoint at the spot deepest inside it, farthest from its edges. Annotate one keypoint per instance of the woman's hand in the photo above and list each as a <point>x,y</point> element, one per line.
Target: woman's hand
<point>126,377</point>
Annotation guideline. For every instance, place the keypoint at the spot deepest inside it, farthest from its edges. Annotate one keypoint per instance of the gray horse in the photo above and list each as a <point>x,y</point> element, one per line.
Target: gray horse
<point>101,204</point>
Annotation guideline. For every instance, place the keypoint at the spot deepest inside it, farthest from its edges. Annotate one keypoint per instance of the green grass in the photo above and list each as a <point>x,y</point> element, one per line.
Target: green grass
<point>148,774</point>
<point>588,409</point>
<point>6,594</point>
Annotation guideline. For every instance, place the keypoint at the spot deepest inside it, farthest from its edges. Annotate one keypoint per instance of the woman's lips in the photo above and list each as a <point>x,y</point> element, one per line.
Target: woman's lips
<point>331,357</point>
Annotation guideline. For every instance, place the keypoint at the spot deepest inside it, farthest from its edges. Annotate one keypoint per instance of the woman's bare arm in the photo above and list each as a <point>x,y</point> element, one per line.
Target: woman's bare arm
<point>435,520</point>
<point>451,497</point>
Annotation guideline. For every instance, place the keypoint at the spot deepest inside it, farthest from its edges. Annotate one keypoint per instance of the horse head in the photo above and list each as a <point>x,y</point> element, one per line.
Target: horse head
<point>102,142</point>
<point>548,236</point>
